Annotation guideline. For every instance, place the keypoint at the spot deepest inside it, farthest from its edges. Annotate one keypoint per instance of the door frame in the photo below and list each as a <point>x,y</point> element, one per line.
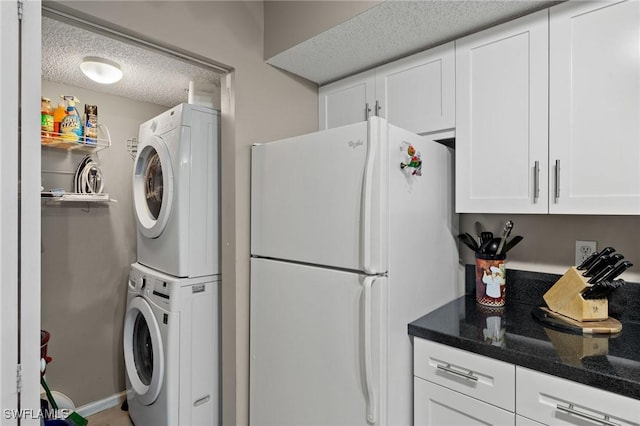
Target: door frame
<point>20,84</point>
<point>9,58</point>
<point>30,210</point>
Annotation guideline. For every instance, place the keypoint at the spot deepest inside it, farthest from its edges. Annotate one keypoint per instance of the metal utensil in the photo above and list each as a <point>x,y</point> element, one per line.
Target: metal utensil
<point>479,231</point>
<point>505,234</point>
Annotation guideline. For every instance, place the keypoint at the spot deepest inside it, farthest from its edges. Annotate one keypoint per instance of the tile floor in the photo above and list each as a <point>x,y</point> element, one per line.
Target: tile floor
<point>112,417</point>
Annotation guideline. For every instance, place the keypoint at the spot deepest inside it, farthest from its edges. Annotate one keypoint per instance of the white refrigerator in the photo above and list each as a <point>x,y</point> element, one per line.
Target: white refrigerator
<point>353,236</point>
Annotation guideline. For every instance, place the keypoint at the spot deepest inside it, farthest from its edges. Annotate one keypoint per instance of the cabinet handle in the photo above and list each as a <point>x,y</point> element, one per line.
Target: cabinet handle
<point>557,180</point>
<point>378,108</point>
<point>536,181</point>
<point>448,369</point>
<point>571,410</point>
<point>367,111</point>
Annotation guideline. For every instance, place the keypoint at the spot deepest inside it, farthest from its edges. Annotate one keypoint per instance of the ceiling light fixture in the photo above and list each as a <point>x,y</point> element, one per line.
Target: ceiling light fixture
<point>101,70</point>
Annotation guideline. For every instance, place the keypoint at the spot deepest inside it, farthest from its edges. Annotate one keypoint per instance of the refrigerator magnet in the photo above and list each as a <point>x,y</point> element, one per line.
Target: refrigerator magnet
<point>413,163</point>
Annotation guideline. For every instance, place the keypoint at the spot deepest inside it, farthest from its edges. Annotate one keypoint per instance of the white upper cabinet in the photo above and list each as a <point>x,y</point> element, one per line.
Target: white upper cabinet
<point>416,93</point>
<point>594,116</point>
<point>502,117</point>
<point>576,152</point>
<point>347,101</point>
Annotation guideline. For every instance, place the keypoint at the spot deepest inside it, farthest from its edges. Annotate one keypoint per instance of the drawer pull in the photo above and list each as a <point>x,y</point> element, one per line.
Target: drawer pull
<point>536,181</point>
<point>571,410</point>
<point>448,369</point>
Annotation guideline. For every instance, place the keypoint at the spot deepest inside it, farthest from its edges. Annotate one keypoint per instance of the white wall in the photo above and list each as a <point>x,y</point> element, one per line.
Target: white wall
<point>549,240</point>
<point>287,23</point>
<point>86,253</point>
<point>263,104</point>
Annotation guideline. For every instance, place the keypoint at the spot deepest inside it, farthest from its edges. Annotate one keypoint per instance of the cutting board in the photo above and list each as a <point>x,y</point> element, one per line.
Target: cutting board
<point>559,321</point>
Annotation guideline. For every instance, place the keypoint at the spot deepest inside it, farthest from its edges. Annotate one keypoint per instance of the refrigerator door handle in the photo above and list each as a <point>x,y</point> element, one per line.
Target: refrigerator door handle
<point>367,201</point>
<point>368,351</point>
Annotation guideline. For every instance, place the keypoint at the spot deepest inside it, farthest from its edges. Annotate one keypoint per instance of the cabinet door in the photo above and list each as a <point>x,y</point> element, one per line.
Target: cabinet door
<point>347,101</point>
<point>437,405</point>
<point>502,118</point>
<point>418,93</point>
<point>594,120</point>
<point>523,421</point>
<point>555,401</point>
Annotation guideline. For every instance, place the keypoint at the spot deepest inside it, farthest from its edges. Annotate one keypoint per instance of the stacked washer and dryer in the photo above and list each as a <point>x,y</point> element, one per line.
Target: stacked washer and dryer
<point>171,327</point>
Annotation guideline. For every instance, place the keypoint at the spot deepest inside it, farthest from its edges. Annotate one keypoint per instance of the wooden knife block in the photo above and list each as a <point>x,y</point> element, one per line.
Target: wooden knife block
<point>565,297</point>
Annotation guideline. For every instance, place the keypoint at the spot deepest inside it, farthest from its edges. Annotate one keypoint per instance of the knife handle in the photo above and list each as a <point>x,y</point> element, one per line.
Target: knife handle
<point>607,251</point>
<point>601,274</point>
<point>589,261</point>
<point>596,266</point>
<point>617,270</point>
<point>615,258</point>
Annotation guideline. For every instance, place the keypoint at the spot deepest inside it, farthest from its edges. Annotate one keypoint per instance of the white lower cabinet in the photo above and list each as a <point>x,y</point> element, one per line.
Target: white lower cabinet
<point>523,421</point>
<point>437,405</point>
<point>457,387</point>
<point>554,401</point>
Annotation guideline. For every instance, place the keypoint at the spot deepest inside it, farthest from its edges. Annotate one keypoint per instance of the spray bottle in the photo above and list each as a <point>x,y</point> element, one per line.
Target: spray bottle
<point>71,125</point>
<point>58,115</point>
<point>91,124</point>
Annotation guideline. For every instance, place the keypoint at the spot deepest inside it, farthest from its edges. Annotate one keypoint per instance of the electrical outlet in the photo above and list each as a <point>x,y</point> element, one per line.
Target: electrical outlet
<point>585,249</point>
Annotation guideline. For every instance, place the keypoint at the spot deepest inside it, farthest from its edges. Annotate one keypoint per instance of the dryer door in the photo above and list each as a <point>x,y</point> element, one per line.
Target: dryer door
<point>143,351</point>
<point>152,186</point>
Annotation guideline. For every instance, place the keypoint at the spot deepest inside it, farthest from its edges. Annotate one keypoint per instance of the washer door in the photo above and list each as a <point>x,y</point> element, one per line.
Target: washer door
<point>143,351</point>
<point>153,187</point>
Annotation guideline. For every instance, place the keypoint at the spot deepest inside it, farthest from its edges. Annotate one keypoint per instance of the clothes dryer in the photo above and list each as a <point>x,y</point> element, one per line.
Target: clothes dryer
<point>171,349</point>
<point>176,192</point>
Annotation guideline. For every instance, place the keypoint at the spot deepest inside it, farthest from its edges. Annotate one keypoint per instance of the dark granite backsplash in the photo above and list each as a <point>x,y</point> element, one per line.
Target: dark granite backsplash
<point>529,287</point>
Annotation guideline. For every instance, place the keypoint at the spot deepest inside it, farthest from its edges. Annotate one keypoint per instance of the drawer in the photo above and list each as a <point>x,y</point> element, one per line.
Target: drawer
<point>475,375</point>
<point>555,401</point>
<point>435,405</point>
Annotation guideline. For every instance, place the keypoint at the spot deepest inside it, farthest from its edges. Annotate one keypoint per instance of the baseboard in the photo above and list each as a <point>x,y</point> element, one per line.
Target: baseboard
<point>101,405</point>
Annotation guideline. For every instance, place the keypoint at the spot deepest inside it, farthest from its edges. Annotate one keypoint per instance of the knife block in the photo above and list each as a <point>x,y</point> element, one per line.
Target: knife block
<point>565,297</point>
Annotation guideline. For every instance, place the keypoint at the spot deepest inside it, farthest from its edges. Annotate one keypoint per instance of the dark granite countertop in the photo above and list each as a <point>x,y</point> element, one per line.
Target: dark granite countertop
<point>609,362</point>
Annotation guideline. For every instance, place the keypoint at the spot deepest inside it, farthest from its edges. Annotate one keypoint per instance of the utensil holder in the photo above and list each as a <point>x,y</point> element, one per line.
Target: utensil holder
<point>565,297</point>
<point>490,279</point>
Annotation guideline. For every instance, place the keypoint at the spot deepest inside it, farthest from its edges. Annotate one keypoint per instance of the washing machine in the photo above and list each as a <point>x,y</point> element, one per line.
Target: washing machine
<point>171,349</point>
<point>176,192</point>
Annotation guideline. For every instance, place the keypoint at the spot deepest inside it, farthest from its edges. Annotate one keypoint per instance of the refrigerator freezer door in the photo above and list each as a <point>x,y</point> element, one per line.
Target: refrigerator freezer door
<point>423,255</point>
<point>316,346</point>
<point>318,198</point>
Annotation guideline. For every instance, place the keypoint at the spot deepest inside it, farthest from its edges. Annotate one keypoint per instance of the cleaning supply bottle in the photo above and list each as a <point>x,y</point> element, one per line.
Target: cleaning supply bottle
<point>71,128</point>
<point>91,124</point>
<point>46,120</point>
<point>58,115</point>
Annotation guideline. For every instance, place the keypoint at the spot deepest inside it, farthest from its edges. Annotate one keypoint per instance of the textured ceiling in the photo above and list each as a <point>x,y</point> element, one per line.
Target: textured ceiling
<point>149,76</point>
<point>393,29</point>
